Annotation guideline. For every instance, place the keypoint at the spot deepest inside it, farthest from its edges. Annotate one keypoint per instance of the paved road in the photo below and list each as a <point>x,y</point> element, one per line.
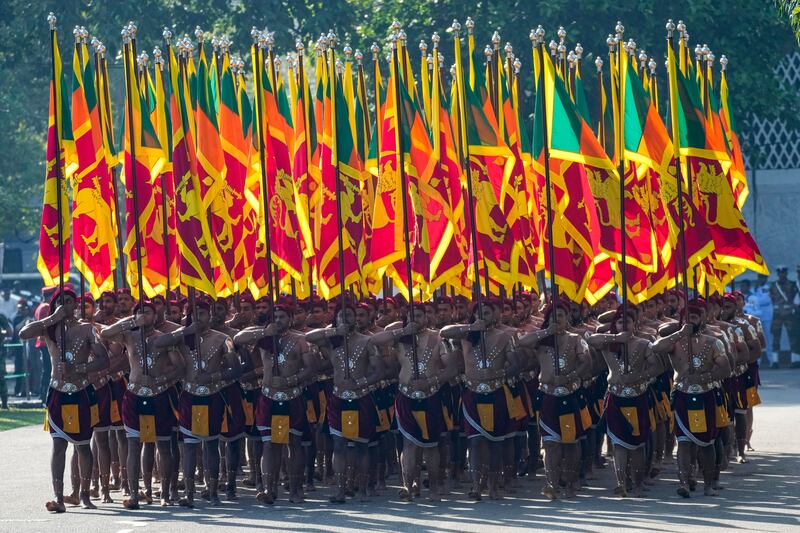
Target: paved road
<point>763,495</point>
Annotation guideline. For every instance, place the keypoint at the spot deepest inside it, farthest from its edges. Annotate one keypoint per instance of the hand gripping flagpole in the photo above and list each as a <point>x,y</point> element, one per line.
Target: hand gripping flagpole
<point>403,194</point>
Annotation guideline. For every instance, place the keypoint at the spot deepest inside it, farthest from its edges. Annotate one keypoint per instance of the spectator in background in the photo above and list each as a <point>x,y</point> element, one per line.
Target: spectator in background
<point>783,292</point>
<point>759,304</point>
<point>8,303</point>
<point>22,317</point>
<point>5,329</point>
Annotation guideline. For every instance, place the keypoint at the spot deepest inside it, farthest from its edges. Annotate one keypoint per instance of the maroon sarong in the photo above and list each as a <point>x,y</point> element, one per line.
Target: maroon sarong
<point>103,395</point>
<point>117,387</point>
<point>628,420</point>
<point>559,418</point>
<point>353,420</point>
<point>695,417</point>
<point>234,413</point>
<point>276,420</point>
<point>421,421</point>
<point>486,415</point>
<point>72,415</point>
<point>202,417</point>
<point>148,418</point>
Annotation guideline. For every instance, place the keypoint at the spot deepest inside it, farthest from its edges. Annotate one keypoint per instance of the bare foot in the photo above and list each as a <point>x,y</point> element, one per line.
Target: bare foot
<point>55,507</point>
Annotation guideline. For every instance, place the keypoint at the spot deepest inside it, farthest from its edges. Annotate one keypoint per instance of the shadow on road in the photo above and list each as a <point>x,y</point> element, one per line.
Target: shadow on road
<point>769,482</point>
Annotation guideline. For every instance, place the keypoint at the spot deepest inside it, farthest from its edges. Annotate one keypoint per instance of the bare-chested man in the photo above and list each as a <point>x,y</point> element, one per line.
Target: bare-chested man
<point>280,408</point>
<point>489,359</point>
<point>212,366</point>
<point>118,369</point>
<point>753,380</point>
<point>235,427</point>
<point>351,411</point>
<point>700,363</point>
<point>419,410</point>
<point>745,390</point>
<point>250,381</point>
<point>383,394</point>
<point>631,363</point>
<point>147,408</point>
<point>71,403</point>
<point>560,421</point>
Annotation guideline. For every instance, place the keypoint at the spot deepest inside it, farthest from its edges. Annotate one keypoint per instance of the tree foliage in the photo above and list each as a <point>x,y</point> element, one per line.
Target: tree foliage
<point>754,35</point>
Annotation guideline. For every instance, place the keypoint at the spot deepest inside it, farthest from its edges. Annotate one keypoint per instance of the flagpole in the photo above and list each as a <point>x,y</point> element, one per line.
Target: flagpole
<point>159,64</point>
<point>331,43</point>
<point>622,265</point>
<point>679,175</point>
<point>476,283</point>
<point>537,40</point>
<point>127,42</point>
<point>77,33</point>
<point>404,195</point>
<point>259,42</point>
<point>51,21</point>
<point>270,41</point>
<point>708,59</point>
<point>185,48</point>
<point>105,118</point>
<point>301,88</point>
<point>258,49</point>
<point>376,70</point>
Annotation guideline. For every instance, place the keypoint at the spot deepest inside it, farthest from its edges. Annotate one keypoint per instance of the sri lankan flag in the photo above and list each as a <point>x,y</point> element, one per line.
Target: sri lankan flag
<point>582,239</point>
<point>491,165</point>
<point>191,220</point>
<point>166,266</point>
<point>740,188</point>
<point>141,174</point>
<point>338,161</point>
<point>518,213</point>
<point>48,261</point>
<point>236,151</point>
<point>649,150</point>
<point>444,200</point>
<point>303,120</point>
<point>216,195</point>
<point>286,231</point>
<point>93,218</point>
<point>705,160</point>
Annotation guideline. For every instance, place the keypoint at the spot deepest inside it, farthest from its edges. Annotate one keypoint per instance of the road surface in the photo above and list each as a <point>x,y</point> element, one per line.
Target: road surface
<point>763,495</point>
